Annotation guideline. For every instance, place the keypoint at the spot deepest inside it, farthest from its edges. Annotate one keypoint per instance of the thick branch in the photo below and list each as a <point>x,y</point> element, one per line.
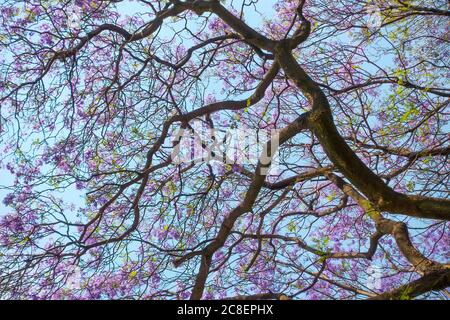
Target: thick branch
<point>372,186</point>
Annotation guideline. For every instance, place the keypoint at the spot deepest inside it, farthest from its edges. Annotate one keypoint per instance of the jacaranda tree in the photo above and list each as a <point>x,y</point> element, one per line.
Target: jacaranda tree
<point>353,204</point>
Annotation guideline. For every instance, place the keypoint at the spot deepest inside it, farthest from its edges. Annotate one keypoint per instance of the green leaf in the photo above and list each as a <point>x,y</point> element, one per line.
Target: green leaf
<point>133,274</point>
<point>291,227</point>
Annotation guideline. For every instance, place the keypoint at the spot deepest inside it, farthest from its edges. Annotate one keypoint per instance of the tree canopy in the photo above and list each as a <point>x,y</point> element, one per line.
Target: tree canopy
<point>94,93</point>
